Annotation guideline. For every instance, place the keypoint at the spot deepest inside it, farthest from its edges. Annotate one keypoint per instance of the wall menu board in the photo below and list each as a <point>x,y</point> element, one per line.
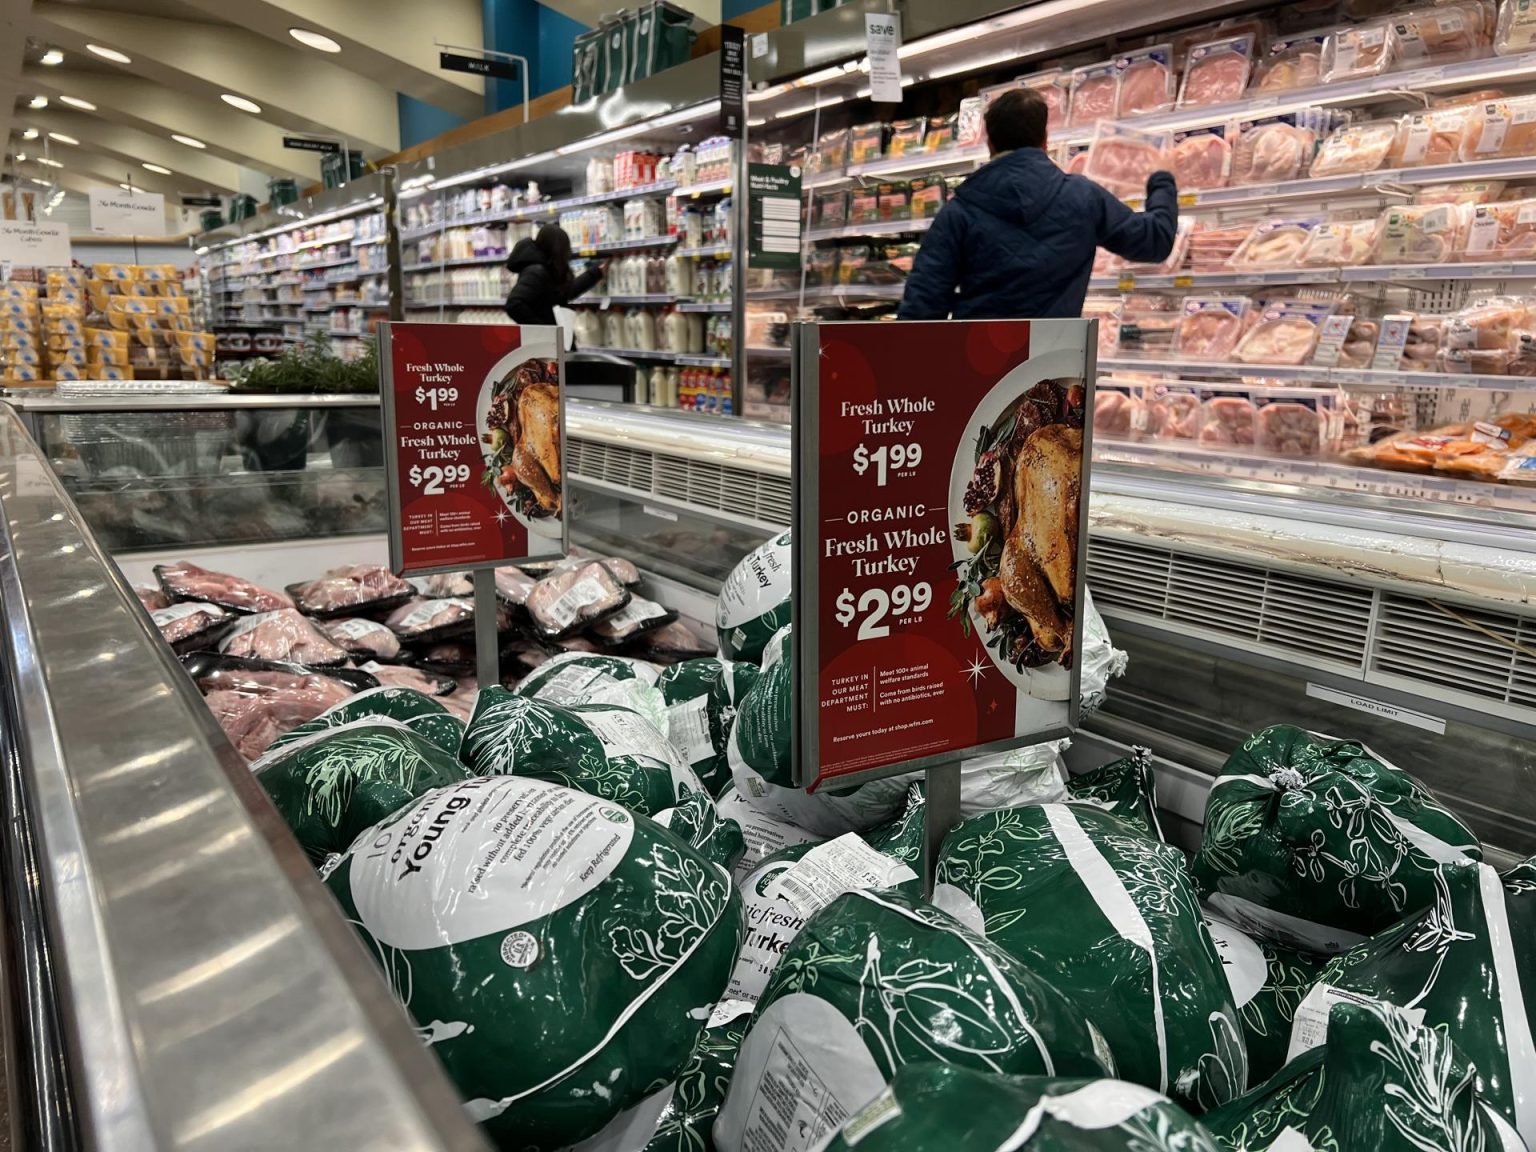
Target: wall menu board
<point>940,538</point>
<point>474,439</point>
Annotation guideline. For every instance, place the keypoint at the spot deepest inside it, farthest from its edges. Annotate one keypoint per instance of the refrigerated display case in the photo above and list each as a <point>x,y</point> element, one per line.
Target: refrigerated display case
<point>165,471</point>
<point>176,973</point>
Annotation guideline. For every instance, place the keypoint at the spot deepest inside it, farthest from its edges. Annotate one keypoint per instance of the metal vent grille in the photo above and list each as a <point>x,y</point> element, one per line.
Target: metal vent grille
<point>1288,614</point>
<point>1475,651</point>
<point>737,491</point>
<point>609,463</point>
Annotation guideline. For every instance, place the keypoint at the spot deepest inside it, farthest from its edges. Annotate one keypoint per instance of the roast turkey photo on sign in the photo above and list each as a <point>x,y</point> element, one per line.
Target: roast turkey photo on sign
<point>519,425</point>
<point>1016,507</point>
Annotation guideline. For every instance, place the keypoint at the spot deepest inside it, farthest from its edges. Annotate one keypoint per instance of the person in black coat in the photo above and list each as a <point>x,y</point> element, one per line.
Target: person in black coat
<point>1018,239</point>
<point>544,277</point>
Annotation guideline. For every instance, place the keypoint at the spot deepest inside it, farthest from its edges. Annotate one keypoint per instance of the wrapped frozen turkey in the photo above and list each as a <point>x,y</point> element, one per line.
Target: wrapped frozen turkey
<point>1315,843</point>
<point>698,823</point>
<point>1056,883</point>
<point>1381,1082</point>
<point>1268,984</point>
<point>941,1106</point>
<point>548,944</point>
<point>1126,788</point>
<point>1467,968</point>
<point>334,783</point>
<point>604,749</point>
<point>878,980</point>
<point>582,678</point>
<point>754,600</point>
<point>419,712</point>
<point>701,699</point>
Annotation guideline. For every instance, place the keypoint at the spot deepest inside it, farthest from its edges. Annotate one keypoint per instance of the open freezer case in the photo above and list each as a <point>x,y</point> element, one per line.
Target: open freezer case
<point>176,974</point>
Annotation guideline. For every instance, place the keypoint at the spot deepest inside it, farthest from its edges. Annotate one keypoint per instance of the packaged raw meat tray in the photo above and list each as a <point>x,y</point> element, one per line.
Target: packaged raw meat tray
<point>1340,243</point>
<point>1112,405</point>
<point>1358,50</point>
<point>1421,233</point>
<point>1516,31</point>
<point>1121,157</point>
<point>1094,87</point>
<point>1499,128</point>
<point>1228,422</point>
<point>1286,333</point>
<point>1275,243</point>
<point>1175,413</point>
<point>1210,327</point>
<point>1489,324</point>
<point>1211,249</point>
<point>1502,231</point>
<point>1270,152</point>
<point>1201,159</point>
<point>1291,62</point>
<point>1467,192</point>
<point>1289,426</point>
<point>1355,148</point>
<point>1184,230</point>
<point>1217,72</point>
<point>1457,30</point>
<point>1146,82</point>
<point>347,591</point>
<point>284,636</point>
<point>183,581</point>
<point>1433,136</point>
<point>1056,88</point>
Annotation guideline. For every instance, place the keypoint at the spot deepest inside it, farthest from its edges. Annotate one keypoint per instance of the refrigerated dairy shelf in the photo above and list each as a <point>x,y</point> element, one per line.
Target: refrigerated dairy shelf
<point>455,262</point>
<point>628,245</point>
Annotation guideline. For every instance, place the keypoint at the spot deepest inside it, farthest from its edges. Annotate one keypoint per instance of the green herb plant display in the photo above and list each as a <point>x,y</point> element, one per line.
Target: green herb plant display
<point>310,367</point>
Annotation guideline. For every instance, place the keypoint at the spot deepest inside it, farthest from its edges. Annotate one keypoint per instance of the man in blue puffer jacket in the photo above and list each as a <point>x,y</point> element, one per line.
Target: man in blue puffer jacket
<point>1018,239</point>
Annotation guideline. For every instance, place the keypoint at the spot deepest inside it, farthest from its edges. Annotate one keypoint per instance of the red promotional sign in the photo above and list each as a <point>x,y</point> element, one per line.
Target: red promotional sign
<point>474,438</point>
<point>940,531</point>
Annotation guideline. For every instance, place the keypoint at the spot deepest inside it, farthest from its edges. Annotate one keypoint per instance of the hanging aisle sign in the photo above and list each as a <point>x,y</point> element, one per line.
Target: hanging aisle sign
<point>733,80</point>
<point>479,66</point>
<point>474,440</point>
<point>306,144</point>
<point>882,40</point>
<point>940,532</point>
<point>115,212</point>
<point>24,245</point>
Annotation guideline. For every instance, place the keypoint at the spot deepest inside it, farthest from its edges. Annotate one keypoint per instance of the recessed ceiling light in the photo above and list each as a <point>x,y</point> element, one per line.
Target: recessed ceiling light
<point>38,102</point>
<point>53,56</point>
<point>111,54</point>
<point>49,163</point>
<point>61,138</point>
<point>29,134</point>
<point>241,103</point>
<point>44,183</point>
<point>157,168</point>
<point>314,40</point>
<point>188,141</point>
<point>76,102</point>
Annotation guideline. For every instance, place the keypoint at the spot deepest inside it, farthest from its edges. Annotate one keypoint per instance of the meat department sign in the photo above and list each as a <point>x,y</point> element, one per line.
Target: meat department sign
<point>474,438</point>
<point>941,475</point>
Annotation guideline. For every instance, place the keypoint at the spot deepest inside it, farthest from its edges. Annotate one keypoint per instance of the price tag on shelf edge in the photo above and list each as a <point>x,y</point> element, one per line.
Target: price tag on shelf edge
<point>909,648</point>
<point>455,400</point>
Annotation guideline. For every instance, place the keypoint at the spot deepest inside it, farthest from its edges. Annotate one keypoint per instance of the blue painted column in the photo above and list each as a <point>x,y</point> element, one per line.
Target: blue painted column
<point>529,29</point>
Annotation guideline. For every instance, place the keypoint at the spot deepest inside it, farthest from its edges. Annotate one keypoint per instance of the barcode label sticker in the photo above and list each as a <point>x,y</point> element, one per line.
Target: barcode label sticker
<point>828,870</point>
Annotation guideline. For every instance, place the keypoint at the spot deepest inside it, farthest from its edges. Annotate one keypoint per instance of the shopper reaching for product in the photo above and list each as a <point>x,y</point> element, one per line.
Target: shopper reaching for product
<point>544,277</point>
<point>1019,237</point>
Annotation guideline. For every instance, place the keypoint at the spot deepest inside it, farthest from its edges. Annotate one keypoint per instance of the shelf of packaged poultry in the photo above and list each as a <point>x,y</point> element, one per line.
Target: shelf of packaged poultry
<point>1365,273</point>
<point>892,165</point>
<point>1314,374</point>
<point>551,207</point>
<point>874,228</point>
<point>1336,475</point>
<point>1362,90</point>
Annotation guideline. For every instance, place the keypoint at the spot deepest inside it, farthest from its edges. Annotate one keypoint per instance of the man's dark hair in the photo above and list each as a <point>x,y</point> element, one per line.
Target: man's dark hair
<point>1016,119</point>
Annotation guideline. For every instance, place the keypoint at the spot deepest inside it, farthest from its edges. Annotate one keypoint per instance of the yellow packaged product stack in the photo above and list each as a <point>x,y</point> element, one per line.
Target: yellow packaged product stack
<point>140,326</point>
<point>64,335</point>
<point>20,346</point>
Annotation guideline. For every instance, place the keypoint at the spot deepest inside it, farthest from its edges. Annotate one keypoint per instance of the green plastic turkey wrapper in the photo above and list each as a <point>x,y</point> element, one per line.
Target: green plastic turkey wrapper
<point>698,823</point>
<point>932,1107</point>
<point>1125,788</point>
<point>1467,967</point>
<point>1109,916</point>
<point>878,980</point>
<point>582,678</point>
<point>754,601</point>
<point>1268,983</point>
<point>603,749</point>
<point>545,941</point>
<point>335,783</point>
<point>1316,843</point>
<point>758,752</point>
<point>1380,1084</point>
<point>701,698</point>
<point>421,713</point>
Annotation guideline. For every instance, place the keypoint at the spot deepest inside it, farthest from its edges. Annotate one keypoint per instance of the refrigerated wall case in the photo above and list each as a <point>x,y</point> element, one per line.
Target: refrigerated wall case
<point>1250,584</point>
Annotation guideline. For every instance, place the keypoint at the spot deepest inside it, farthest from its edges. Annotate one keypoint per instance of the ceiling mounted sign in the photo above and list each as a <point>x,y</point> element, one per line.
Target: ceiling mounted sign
<point>24,245</point>
<point>305,144</point>
<point>118,213</point>
<point>475,65</point>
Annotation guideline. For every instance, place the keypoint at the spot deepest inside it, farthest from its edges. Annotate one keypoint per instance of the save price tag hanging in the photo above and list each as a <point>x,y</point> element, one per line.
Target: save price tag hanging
<point>882,38</point>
